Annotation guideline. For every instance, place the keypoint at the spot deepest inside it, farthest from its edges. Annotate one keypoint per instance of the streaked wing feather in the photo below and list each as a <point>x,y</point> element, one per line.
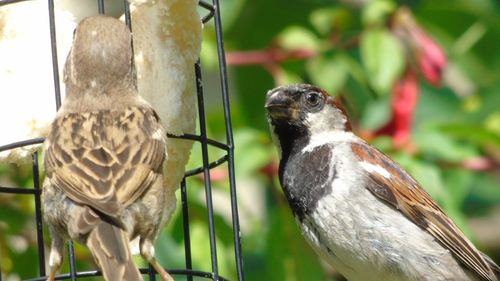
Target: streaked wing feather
<point>405,194</point>
<point>105,159</point>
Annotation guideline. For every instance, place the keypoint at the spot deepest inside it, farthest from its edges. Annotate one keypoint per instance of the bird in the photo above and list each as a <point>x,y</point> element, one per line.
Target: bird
<point>167,44</point>
<point>358,209</point>
<point>104,156</point>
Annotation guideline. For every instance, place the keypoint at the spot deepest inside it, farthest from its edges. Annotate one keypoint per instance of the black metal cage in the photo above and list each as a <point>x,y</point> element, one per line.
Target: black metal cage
<point>212,14</point>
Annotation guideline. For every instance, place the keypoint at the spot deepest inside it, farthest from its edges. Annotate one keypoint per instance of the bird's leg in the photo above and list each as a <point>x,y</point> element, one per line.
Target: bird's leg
<point>56,255</point>
<point>148,253</point>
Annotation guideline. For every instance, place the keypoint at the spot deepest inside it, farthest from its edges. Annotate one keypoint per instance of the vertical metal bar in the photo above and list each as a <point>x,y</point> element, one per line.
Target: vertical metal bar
<point>53,47</point>
<point>151,272</point>
<point>185,221</point>
<point>206,171</point>
<point>100,6</point>
<point>72,261</point>
<point>230,142</point>
<point>128,20</point>
<point>38,214</point>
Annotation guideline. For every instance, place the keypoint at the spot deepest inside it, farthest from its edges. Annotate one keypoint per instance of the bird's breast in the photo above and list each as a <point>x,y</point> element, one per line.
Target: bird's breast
<point>307,177</point>
<point>366,239</point>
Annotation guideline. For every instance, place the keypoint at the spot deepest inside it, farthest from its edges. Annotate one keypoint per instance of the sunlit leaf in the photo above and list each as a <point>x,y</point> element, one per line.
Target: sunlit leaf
<point>441,146</point>
<point>252,152</point>
<point>473,133</point>
<point>375,13</point>
<point>376,114</point>
<point>297,37</point>
<point>330,73</point>
<point>382,57</point>
<point>329,19</point>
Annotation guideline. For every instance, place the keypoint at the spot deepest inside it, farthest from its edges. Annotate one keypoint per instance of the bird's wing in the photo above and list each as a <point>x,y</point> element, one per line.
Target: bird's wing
<point>391,183</point>
<point>105,159</point>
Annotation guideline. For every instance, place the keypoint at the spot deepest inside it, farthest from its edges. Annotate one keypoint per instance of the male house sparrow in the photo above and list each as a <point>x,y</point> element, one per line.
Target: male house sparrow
<point>104,156</point>
<point>359,209</point>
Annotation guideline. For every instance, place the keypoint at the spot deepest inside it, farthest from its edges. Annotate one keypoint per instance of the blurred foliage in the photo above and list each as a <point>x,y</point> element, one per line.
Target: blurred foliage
<point>352,49</point>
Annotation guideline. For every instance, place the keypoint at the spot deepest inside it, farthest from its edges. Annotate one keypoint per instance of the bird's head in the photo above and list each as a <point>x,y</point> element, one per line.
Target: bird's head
<point>101,53</point>
<point>296,112</point>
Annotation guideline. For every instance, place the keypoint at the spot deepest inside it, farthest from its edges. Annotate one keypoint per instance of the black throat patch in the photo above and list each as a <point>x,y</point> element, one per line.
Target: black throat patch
<point>306,177</point>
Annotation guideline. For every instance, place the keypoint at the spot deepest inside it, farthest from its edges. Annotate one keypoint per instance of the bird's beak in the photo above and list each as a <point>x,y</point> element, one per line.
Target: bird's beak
<point>280,106</point>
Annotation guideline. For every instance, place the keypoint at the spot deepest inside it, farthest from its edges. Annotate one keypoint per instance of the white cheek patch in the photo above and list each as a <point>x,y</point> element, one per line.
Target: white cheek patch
<point>327,126</point>
<point>329,137</point>
<point>369,167</point>
<point>326,119</point>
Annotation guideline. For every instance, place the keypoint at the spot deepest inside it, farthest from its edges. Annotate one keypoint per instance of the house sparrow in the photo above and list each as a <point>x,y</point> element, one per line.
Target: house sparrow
<point>167,43</point>
<point>359,209</point>
<point>104,156</point>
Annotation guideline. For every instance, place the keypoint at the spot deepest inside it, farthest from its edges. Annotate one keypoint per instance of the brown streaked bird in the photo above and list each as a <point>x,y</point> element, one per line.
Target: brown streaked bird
<point>359,209</point>
<point>104,156</point>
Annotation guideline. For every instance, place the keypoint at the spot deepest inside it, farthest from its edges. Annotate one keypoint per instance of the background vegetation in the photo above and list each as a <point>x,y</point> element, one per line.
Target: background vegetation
<point>421,80</point>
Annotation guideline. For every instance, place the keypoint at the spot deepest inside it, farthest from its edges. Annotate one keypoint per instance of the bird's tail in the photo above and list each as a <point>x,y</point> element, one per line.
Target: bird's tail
<point>494,267</point>
<point>109,247</point>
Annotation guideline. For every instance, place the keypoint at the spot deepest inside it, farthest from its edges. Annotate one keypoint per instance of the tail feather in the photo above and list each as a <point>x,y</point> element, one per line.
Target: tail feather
<point>494,267</point>
<point>109,247</point>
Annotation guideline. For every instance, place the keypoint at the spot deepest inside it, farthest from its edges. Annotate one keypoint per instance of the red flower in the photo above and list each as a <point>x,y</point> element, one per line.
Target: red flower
<point>425,54</point>
<point>431,60</point>
<point>404,100</point>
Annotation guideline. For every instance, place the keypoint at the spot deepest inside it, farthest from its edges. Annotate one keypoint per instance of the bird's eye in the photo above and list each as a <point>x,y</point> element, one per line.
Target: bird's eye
<point>313,99</point>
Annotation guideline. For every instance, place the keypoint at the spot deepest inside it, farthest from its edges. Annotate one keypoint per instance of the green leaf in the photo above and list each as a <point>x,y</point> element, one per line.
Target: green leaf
<point>376,114</point>
<point>289,77</point>
<point>328,19</point>
<point>329,73</point>
<point>260,20</point>
<point>375,13</point>
<point>14,217</point>
<point>473,133</point>
<point>168,252</point>
<point>230,12</point>
<point>252,152</point>
<point>492,123</point>
<point>383,58</point>
<point>459,183</point>
<point>208,54</point>
<point>383,143</point>
<point>483,194</point>
<point>439,145</point>
<point>297,37</point>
